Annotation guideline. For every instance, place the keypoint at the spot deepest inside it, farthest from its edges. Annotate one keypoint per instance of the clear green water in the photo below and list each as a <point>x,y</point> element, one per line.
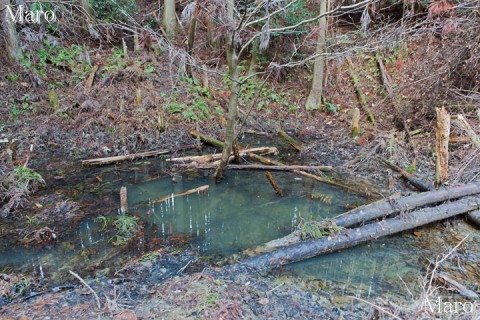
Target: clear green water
<point>240,212</point>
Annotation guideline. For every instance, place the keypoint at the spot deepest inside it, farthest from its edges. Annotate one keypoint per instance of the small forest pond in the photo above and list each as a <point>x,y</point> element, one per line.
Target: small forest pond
<point>239,213</point>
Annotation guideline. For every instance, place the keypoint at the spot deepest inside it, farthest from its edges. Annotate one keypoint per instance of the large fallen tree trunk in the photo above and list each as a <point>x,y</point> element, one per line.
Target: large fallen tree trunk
<point>383,208</point>
<point>352,237</point>
<point>390,206</point>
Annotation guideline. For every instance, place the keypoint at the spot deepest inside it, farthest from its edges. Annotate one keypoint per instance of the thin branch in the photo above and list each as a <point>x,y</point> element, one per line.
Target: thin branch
<point>88,287</point>
<point>377,307</point>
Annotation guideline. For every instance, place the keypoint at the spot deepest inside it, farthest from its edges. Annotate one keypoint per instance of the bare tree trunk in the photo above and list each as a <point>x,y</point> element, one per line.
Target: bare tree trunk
<point>229,46</point>
<point>441,147</point>
<point>87,7</point>
<point>191,39</point>
<point>169,17</point>
<point>253,61</point>
<point>231,117</point>
<point>12,45</point>
<point>314,99</point>
<point>232,61</point>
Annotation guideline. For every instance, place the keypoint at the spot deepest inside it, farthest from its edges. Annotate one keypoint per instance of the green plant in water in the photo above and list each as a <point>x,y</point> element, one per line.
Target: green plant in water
<point>26,178</point>
<point>123,225</point>
<point>325,198</point>
<point>21,287</point>
<point>104,221</point>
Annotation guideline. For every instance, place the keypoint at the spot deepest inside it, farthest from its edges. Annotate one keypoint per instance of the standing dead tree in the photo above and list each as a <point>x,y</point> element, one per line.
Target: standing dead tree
<point>12,45</point>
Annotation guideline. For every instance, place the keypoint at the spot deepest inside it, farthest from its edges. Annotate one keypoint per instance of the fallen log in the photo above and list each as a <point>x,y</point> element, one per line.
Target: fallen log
<point>352,237</point>
<point>294,143</point>
<point>266,167</point>
<point>389,206</point>
<point>264,160</point>
<point>208,140</point>
<point>385,208</point>
<point>217,156</point>
<point>199,189</point>
<point>359,91</point>
<point>116,159</point>
<point>363,192</point>
<point>474,217</point>
<point>462,123</point>
<point>417,183</point>
<point>464,291</point>
<point>274,184</point>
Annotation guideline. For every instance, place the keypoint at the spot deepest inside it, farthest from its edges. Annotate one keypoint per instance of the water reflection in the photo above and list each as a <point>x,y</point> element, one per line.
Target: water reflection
<point>239,213</point>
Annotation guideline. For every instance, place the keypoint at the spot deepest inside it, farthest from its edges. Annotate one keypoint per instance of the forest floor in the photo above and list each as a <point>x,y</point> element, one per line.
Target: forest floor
<point>121,113</point>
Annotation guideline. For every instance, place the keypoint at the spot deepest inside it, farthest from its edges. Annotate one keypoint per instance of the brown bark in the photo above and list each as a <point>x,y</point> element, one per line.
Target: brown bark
<point>208,140</point>
<point>355,122</point>
<point>294,143</point>
<point>196,190</point>
<point>274,184</point>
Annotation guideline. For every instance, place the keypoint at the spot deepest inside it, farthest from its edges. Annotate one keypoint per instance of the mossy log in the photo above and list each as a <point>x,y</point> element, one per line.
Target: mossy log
<point>208,140</point>
<point>352,237</point>
<point>361,96</point>
<point>274,168</point>
<point>274,184</point>
<point>294,143</point>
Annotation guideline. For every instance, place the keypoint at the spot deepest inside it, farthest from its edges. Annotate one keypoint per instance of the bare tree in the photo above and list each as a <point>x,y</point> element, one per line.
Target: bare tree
<point>314,99</point>
<point>169,17</point>
<point>245,28</point>
<point>12,45</point>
